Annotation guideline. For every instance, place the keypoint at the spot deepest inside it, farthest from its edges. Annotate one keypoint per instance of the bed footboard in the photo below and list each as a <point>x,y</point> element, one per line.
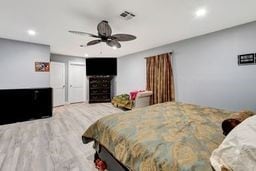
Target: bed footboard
<point>107,158</point>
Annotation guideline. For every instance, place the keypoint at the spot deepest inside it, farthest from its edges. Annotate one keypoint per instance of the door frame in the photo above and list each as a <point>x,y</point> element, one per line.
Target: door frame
<point>84,81</point>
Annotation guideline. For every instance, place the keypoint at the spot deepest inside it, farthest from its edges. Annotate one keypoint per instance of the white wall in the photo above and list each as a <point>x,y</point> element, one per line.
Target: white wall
<point>131,74</point>
<point>17,65</point>
<point>205,69</point>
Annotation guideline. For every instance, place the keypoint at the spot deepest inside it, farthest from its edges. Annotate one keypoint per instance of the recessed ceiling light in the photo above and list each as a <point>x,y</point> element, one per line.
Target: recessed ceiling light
<point>201,12</point>
<point>86,55</point>
<point>32,32</point>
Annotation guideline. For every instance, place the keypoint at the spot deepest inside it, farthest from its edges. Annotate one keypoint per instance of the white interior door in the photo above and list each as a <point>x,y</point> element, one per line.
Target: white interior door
<point>57,82</point>
<point>76,83</point>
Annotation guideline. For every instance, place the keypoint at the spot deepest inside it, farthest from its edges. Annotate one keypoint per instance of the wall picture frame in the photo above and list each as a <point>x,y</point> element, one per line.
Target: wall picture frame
<point>246,59</point>
<point>42,66</point>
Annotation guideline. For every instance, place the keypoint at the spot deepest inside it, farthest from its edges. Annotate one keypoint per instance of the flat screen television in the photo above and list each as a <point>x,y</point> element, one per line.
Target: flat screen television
<point>101,66</point>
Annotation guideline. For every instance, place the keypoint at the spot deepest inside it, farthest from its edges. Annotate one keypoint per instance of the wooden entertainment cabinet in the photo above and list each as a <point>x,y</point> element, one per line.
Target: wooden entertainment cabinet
<point>99,89</point>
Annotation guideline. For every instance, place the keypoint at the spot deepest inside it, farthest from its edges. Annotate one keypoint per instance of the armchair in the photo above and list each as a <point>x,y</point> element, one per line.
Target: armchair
<point>142,99</point>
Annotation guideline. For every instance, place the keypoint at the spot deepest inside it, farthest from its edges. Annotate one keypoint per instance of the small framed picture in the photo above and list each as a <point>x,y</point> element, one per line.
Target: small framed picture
<point>246,59</point>
<point>42,66</point>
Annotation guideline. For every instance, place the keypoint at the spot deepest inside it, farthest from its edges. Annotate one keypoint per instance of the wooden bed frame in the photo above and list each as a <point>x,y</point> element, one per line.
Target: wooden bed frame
<point>111,162</point>
<point>104,155</point>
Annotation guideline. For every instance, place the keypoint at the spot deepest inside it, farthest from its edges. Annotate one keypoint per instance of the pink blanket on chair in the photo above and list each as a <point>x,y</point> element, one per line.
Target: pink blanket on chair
<point>133,94</point>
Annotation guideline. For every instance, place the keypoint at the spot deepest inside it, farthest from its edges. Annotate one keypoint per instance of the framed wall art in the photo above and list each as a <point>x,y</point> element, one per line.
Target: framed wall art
<point>42,66</point>
<point>246,59</point>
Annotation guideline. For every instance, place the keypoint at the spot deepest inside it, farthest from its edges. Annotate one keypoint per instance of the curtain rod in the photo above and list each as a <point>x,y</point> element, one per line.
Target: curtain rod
<point>159,54</point>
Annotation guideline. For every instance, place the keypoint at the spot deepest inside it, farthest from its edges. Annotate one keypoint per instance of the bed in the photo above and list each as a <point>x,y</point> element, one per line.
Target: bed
<point>164,137</point>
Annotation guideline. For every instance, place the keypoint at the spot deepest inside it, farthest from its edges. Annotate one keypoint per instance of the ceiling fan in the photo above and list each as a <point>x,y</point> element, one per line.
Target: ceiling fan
<point>105,35</point>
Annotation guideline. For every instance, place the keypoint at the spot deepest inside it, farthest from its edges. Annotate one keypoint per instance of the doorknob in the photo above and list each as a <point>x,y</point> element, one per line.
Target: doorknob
<point>63,86</point>
<point>70,85</point>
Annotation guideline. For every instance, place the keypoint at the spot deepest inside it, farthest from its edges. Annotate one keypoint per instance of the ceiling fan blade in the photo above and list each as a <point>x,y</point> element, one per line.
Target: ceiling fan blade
<point>104,29</point>
<point>113,43</point>
<point>93,42</point>
<point>83,33</point>
<point>123,37</point>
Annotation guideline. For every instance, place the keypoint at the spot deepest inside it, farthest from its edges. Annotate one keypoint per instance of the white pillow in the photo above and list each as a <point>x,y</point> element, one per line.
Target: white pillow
<point>238,150</point>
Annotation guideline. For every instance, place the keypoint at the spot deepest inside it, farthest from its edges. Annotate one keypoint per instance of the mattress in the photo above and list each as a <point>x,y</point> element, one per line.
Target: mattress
<point>164,137</point>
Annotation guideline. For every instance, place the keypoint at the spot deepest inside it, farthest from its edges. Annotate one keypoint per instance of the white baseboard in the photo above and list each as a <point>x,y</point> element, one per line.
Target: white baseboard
<point>67,103</point>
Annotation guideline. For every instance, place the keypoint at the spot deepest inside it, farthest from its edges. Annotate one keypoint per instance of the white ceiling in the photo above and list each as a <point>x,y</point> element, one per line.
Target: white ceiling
<point>157,22</point>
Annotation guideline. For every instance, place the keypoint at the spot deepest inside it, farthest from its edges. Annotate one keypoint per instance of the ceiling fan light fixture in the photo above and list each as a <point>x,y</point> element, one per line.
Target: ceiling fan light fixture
<point>114,47</point>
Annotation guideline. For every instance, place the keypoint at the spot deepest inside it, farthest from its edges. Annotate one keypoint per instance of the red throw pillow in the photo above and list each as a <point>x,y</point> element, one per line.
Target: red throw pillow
<point>133,95</point>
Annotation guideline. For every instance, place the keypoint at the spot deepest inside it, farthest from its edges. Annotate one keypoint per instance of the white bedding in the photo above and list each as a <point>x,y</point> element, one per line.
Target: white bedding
<point>238,150</point>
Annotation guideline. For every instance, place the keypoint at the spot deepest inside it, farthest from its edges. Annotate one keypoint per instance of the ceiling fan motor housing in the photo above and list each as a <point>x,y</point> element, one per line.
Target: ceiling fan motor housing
<point>104,29</point>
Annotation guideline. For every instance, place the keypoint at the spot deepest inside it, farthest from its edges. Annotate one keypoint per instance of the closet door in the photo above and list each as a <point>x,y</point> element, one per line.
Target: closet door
<point>76,83</point>
<point>57,82</point>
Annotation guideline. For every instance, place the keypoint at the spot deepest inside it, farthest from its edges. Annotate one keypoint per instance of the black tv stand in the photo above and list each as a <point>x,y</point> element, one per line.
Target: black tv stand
<point>99,89</point>
<point>18,105</point>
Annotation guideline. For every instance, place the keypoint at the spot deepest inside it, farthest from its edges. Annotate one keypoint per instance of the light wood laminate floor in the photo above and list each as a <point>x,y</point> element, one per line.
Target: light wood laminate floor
<point>52,144</point>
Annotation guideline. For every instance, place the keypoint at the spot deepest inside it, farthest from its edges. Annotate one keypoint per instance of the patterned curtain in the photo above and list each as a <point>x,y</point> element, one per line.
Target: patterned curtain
<point>160,78</point>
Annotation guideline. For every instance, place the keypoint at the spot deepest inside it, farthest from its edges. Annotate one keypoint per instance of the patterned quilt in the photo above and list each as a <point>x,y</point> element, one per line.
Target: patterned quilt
<point>163,137</point>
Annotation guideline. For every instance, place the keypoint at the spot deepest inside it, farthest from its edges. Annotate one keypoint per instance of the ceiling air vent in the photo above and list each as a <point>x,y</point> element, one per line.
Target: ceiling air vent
<point>127,15</point>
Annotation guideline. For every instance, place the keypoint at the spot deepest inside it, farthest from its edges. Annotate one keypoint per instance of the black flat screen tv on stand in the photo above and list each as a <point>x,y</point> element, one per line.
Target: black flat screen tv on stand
<point>101,66</point>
